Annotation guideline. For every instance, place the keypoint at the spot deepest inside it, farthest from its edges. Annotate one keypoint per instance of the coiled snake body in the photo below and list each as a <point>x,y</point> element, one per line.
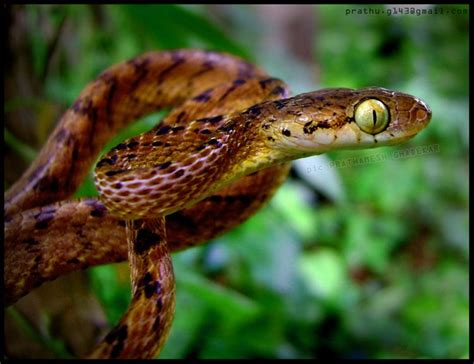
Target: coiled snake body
<point>214,160</point>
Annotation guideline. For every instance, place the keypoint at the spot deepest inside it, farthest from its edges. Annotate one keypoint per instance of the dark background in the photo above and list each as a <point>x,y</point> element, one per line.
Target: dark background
<point>351,259</point>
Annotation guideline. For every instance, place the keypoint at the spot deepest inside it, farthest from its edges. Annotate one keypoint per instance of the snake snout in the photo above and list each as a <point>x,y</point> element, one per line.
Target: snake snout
<point>420,114</point>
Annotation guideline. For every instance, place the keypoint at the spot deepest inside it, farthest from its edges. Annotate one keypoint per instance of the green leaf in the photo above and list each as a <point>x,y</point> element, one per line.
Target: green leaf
<point>173,26</point>
<point>324,273</point>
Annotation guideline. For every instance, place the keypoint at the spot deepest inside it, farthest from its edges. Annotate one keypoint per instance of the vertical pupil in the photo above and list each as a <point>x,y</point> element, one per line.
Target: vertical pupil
<point>374,116</point>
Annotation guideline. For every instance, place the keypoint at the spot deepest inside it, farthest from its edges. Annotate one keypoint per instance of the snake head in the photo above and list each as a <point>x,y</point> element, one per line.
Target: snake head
<point>390,117</point>
<point>330,119</point>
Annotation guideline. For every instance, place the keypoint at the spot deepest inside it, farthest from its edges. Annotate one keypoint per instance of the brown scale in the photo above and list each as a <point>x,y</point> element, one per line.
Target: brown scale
<point>213,161</point>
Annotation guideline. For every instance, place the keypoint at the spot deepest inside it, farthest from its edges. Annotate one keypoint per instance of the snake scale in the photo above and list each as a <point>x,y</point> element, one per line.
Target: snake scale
<point>215,159</point>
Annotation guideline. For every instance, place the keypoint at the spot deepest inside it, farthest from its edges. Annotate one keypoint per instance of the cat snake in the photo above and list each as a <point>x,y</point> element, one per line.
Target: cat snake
<point>215,159</point>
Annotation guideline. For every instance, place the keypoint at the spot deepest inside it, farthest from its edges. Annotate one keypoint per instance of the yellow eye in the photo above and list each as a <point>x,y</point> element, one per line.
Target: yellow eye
<point>372,116</point>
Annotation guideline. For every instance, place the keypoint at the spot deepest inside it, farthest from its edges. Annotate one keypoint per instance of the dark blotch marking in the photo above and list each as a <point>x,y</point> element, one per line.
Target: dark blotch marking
<point>110,96</point>
<point>48,183</point>
<point>207,66</point>
<point>180,117</point>
<point>71,142</point>
<point>278,91</point>
<point>286,132</point>
<point>131,156</point>
<point>215,119</point>
<point>203,97</point>
<point>179,172</point>
<point>118,185</point>
<point>211,120</point>
<point>254,110</point>
<point>205,131</point>
<point>308,127</point>
<point>132,144</point>
<point>280,104</point>
<point>121,146</point>
<point>177,60</point>
<point>145,240</point>
<point>212,141</point>
<point>227,126</point>
<point>271,139</point>
<point>98,211</point>
<point>163,130</point>
<point>149,290</point>
<point>264,83</point>
<point>156,323</point>
<point>114,172</point>
<point>44,217</point>
<point>200,147</point>
<point>85,107</point>
<point>266,126</point>
<point>238,82</point>
<point>105,161</point>
<point>157,144</point>
<point>111,80</point>
<point>119,333</point>
<point>73,261</point>
<point>147,278</point>
<point>177,128</point>
<point>141,70</point>
<point>164,165</point>
<point>215,142</point>
<point>150,286</point>
<point>324,124</point>
<point>117,349</point>
<point>159,304</point>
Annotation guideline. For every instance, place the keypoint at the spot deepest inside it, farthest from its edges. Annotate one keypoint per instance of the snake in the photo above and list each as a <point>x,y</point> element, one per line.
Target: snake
<point>216,158</point>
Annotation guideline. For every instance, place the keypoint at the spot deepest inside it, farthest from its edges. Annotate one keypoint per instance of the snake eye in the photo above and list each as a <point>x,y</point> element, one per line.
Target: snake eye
<point>372,116</point>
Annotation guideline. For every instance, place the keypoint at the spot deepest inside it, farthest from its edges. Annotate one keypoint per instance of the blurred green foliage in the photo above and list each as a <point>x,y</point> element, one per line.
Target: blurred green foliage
<point>377,268</point>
